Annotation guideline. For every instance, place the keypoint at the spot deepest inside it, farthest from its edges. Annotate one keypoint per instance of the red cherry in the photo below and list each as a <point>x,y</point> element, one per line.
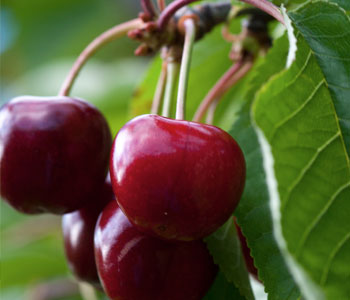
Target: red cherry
<point>78,233</point>
<point>53,153</point>
<point>249,261</point>
<point>178,180</point>
<point>134,266</point>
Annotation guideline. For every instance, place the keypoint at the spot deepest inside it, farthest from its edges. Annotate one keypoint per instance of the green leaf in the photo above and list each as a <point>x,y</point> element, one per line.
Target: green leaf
<point>225,248</point>
<point>342,3</point>
<point>330,42</point>
<point>223,290</point>
<point>308,174</point>
<point>253,212</point>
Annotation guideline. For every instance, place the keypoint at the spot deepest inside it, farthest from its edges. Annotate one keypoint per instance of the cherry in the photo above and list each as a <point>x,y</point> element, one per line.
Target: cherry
<point>53,153</point>
<point>176,179</point>
<point>249,261</point>
<point>135,266</point>
<point>78,233</point>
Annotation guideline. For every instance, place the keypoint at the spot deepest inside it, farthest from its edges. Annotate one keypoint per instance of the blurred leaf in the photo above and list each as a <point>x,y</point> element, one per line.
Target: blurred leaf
<point>253,212</point>
<point>225,247</point>
<point>40,259</point>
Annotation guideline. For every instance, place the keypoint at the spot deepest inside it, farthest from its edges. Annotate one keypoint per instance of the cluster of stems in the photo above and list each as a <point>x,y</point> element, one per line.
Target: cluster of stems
<point>171,68</point>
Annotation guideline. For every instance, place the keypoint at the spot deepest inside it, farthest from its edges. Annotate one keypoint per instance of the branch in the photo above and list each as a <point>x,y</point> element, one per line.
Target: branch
<point>267,7</point>
<point>170,10</point>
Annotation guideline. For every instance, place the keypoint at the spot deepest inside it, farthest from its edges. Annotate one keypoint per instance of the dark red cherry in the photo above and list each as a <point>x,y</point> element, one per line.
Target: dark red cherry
<point>134,266</point>
<point>53,153</point>
<point>178,180</point>
<point>249,261</point>
<point>78,234</point>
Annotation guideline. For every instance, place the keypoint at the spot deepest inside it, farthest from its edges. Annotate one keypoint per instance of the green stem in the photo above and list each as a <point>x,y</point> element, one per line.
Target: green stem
<point>172,72</point>
<point>211,112</point>
<point>158,95</point>
<point>190,34</point>
<point>103,39</point>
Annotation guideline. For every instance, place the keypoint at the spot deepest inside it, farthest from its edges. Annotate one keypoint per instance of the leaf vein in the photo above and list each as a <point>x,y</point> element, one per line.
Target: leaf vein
<point>331,258</point>
<point>299,109</point>
<point>313,224</point>
<point>309,165</point>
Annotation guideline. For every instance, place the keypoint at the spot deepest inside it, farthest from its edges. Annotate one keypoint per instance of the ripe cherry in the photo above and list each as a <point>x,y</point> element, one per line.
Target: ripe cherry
<point>53,153</point>
<point>78,233</point>
<point>175,179</point>
<point>134,266</point>
<point>249,261</point>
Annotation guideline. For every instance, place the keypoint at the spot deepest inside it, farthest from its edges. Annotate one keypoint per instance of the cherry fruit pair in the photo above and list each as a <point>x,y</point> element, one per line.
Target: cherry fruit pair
<point>132,265</point>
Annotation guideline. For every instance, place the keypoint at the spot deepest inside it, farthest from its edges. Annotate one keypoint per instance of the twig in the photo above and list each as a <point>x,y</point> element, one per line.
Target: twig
<point>170,10</point>
<point>190,34</point>
<point>106,37</point>
<point>267,7</point>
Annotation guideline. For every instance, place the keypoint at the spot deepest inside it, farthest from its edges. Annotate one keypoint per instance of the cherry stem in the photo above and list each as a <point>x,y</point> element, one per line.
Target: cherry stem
<point>234,74</point>
<point>190,34</point>
<point>158,95</point>
<point>148,7</point>
<point>161,4</point>
<point>267,7</point>
<point>103,39</point>
<point>170,10</point>
<point>172,72</point>
<point>211,112</point>
<point>87,291</point>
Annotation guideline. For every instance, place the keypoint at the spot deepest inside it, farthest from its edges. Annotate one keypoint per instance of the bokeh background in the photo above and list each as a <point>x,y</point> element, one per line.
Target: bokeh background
<point>40,40</point>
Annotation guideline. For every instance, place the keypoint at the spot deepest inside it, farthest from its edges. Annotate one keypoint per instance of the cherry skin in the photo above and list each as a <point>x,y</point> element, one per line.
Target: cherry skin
<point>54,153</point>
<point>249,261</point>
<point>134,266</point>
<point>176,179</point>
<point>78,234</point>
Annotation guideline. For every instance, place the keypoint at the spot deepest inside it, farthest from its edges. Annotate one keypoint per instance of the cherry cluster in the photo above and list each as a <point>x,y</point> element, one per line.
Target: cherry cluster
<point>135,232</point>
<point>175,182</point>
